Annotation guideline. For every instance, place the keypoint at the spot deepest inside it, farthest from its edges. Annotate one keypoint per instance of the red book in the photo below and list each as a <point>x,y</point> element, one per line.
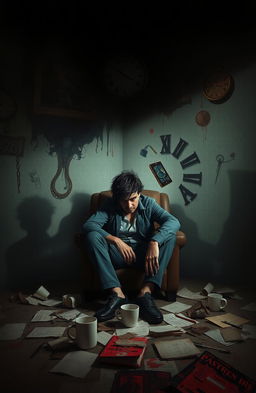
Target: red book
<point>209,374</point>
<point>142,381</point>
<point>128,355</point>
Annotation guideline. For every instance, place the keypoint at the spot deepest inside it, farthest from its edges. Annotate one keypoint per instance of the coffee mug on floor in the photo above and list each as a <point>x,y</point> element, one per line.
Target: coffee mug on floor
<point>216,302</point>
<point>128,314</point>
<point>85,332</point>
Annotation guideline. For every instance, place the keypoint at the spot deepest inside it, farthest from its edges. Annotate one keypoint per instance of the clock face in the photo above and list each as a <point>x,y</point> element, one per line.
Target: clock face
<point>218,86</point>
<point>7,106</point>
<point>125,76</point>
<point>191,178</point>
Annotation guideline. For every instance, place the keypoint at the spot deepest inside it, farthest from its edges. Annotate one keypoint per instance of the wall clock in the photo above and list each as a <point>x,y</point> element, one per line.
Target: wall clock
<point>218,87</point>
<point>186,162</point>
<point>125,76</point>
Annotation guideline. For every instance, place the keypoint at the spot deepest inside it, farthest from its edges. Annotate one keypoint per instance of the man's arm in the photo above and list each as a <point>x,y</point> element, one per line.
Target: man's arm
<point>96,222</point>
<point>169,225</point>
<point>125,250</point>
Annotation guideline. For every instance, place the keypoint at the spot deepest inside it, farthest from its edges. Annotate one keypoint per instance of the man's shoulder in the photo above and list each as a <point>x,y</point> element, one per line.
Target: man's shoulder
<point>147,201</point>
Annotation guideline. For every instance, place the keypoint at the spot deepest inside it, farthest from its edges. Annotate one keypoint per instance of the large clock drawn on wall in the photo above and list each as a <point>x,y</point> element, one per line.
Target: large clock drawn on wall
<point>186,162</point>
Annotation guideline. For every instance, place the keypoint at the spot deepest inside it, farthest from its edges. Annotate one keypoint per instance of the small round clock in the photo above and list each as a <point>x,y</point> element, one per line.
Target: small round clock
<point>125,76</point>
<point>218,87</point>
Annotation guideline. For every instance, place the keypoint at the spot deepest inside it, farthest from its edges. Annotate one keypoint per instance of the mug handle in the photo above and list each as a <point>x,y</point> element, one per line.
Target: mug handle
<point>224,303</point>
<point>68,332</point>
<point>118,314</point>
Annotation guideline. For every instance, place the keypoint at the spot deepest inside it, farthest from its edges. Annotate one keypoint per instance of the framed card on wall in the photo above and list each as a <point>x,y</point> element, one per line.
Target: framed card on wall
<point>160,173</point>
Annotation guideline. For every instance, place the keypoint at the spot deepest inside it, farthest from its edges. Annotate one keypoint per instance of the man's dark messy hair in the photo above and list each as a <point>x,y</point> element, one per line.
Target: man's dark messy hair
<point>125,184</point>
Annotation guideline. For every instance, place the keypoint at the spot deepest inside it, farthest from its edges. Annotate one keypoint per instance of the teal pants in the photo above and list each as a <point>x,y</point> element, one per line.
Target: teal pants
<point>106,258</point>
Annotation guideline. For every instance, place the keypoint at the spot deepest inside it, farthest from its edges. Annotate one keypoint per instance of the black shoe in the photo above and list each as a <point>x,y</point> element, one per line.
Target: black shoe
<point>148,310</point>
<point>108,311</point>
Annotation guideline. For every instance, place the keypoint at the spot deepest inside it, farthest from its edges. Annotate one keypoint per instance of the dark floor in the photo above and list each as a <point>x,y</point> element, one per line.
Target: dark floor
<point>20,373</point>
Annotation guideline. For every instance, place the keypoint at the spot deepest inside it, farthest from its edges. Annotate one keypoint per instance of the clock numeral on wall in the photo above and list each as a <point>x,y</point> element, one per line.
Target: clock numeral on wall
<point>193,178</point>
<point>190,160</point>
<point>187,194</point>
<point>179,148</point>
<point>166,141</point>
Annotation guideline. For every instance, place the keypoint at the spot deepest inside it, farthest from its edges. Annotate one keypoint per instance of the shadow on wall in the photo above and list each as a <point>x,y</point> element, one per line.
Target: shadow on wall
<point>37,258</point>
<point>232,259</point>
<point>235,250</point>
<point>197,256</point>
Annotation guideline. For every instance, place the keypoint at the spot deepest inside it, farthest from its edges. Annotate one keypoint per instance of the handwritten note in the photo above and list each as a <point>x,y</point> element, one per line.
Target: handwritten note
<point>176,307</point>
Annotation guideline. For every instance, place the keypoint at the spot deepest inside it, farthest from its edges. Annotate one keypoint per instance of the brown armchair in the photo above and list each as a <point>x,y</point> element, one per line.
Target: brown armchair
<point>131,279</point>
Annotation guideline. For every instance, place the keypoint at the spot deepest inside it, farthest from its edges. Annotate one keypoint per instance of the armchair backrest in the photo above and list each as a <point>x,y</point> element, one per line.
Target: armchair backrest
<point>97,199</point>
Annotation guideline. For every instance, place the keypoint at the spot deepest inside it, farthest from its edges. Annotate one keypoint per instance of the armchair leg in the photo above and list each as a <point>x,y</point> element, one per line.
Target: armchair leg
<point>170,296</point>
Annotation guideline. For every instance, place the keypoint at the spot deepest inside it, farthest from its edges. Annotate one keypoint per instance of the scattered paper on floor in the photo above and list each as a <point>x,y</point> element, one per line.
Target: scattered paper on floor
<point>43,316</point>
<point>186,293</point>
<point>12,331</point>
<point>176,307</point>
<point>40,331</point>
<point>76,364</point>
<point>171,319</point>
<point>103,337</point>
<point>41,293</point>
<point>215,334</point>
<point>141,329</point>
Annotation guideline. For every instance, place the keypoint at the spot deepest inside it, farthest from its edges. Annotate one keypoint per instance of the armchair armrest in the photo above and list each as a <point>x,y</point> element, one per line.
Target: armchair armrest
<point>181,238</point>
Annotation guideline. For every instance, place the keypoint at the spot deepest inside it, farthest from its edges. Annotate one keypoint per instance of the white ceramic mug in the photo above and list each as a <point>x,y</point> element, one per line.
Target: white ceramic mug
<point>128,314</point>
<point>86,332</point>
<point>216,302</point>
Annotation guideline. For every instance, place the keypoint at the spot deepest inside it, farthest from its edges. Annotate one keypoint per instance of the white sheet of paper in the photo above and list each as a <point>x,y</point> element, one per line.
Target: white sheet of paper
<point>249,307</point>
<point>171,319</point>
<point>164,328</point>
<point>41,293</point>
<point>43,316</point>
<point>11,331</point>
<point>50,302</point>
<point>175,349</point>
<point>141,329</point>
<point>187,294</point>
<point>31,300</point>
<point>103,337</point>
<point>216,335</point>
<point>40,331</point>
<point>71,314</point>
<point>176,307</point>
<point>156,364</point>
<point>76,364</point>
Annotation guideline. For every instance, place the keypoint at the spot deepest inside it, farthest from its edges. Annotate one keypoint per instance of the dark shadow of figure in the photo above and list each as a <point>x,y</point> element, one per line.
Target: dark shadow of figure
<point>67,254</point>
<point>197,256</point>
<point>235,250</point>
<point>30,261</point>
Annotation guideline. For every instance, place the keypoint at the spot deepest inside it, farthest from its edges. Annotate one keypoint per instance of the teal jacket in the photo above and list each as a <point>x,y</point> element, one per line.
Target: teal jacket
<point>107,221</point>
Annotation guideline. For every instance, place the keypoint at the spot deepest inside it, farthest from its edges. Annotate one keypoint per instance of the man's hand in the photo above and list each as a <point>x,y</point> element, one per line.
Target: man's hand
<point>151,259</point>
<point>125,250</point>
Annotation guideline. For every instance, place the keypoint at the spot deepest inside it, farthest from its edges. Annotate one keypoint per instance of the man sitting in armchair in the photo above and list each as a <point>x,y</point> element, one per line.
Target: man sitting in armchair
<point>122,234</point>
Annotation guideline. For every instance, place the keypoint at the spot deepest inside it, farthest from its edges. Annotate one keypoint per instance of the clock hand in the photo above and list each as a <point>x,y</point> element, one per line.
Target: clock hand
<point>124,74</point>
<point>220,160</point>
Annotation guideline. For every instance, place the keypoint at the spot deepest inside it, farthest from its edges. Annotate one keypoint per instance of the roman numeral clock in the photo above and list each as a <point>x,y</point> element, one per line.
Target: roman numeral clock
<point>186,162</point>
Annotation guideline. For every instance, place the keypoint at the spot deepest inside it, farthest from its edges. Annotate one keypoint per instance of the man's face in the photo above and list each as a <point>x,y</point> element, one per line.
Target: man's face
<point>130,204</point>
